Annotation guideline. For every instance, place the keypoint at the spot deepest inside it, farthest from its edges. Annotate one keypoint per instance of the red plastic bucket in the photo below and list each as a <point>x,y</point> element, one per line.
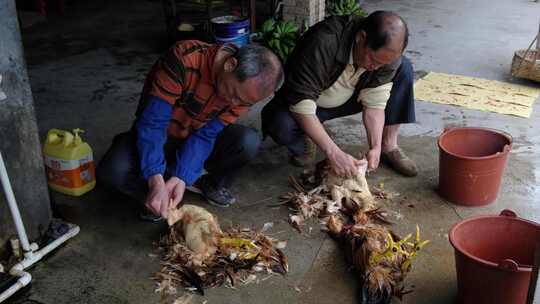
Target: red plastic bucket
<point>494,257</point>
<point>471,164</point>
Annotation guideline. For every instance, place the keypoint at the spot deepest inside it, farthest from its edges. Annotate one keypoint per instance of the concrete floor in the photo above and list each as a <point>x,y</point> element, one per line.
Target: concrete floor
<point>86,71</point>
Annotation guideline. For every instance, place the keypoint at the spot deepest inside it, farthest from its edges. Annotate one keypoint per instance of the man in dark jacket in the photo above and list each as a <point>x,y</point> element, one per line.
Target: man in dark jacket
<point>342,66</point>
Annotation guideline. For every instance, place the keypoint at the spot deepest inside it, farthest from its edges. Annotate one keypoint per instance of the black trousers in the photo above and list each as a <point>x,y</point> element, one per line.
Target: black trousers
<point>120,168</point>
<point>280,125</point>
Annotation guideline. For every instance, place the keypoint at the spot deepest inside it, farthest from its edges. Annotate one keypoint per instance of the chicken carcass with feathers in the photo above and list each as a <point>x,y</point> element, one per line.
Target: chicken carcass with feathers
<point>197,254</point>
<point>200,229</point>
<point>381,259</point>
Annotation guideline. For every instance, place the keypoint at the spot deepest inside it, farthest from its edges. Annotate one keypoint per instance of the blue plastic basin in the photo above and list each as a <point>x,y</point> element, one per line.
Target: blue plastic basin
<point>230,26</point>
<point>239,41</point>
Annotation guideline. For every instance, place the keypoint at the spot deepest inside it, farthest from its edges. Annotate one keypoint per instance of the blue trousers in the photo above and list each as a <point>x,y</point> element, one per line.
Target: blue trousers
<point>119,169</point>
<point>280,125</point>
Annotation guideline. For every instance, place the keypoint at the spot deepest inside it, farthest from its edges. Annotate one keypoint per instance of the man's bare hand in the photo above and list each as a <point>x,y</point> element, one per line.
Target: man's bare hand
<point>344,164</point>
<point>373,157</point>
<point>176,188</point>
<point>157,199</point>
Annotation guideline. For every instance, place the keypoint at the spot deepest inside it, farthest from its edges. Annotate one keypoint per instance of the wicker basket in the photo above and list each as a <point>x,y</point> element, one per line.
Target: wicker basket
<point>526,63</point>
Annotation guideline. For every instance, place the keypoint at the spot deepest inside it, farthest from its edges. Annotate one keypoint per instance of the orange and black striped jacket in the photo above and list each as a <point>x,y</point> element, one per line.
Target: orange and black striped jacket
<point>184,78</point>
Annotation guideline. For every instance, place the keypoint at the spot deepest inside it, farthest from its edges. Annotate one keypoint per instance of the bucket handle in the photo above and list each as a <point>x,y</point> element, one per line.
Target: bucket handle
<point>508,147</point>
<point>56,136</point>
<point>508,213</point>
<point>448,128</point>
<point>508,264</point>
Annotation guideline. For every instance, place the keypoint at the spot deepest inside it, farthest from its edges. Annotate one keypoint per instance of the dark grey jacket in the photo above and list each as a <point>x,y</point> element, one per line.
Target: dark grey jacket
<point>321,55</point>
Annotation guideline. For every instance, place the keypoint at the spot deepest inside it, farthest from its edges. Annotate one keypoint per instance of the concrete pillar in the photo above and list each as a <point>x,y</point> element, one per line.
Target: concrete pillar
<point>19,141</point>
<point>311,11</point>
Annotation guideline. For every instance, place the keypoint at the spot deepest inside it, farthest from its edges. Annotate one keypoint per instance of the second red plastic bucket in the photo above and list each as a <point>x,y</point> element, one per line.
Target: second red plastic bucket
<point>494,257</point>
<point>471,164</point>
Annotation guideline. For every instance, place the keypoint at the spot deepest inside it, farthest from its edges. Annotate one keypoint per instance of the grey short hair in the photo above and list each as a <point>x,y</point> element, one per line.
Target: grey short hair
<point>258,61</point>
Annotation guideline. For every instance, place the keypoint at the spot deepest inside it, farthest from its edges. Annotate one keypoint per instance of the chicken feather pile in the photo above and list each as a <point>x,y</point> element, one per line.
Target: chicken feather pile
<point>198,254</point>
<point>349,212</point>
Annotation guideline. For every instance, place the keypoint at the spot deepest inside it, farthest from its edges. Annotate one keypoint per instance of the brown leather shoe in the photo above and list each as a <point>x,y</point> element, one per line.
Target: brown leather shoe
<point>400,162</point>
<point>307,159</point>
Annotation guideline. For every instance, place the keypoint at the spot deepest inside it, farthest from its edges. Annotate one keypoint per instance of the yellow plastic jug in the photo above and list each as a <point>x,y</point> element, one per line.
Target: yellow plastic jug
<point>69,163</point>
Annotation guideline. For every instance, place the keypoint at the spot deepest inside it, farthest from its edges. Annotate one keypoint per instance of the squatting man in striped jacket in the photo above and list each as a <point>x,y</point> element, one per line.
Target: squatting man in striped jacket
<point>185,123</point>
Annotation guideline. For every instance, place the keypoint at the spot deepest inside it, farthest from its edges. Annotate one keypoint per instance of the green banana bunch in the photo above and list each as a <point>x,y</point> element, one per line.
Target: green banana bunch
<point>280,37</point>
<point>268,26</point>
<point>347,7</point>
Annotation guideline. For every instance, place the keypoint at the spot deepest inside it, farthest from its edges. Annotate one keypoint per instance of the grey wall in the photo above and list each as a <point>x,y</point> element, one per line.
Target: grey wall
<point>19,142</point>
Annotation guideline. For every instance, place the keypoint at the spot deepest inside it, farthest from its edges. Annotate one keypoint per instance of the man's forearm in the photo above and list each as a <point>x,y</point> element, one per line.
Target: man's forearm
<point>152,135</point>
<point>374,123</point>
<point>312,126</point>
<point>191,156</point>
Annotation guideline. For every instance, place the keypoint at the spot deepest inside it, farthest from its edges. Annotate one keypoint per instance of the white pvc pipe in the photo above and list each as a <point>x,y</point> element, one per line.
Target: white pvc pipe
<point>31,254</point>
<point>24,279</point>
<point>32,258</point>
<point>35,256</point>
<point>10,197</point>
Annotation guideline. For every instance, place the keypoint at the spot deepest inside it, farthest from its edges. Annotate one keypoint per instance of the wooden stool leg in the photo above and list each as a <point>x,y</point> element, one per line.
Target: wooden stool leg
<point>42,7</point>
<point>210,15</point>
<point>253,15</point>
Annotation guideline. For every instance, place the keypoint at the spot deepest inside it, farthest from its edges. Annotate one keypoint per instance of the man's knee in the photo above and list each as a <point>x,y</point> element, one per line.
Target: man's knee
<point>405,72</point>
<point>116,165</point>
<point>280,126</point>
<point>249,142</point>
<point>110,175</point>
